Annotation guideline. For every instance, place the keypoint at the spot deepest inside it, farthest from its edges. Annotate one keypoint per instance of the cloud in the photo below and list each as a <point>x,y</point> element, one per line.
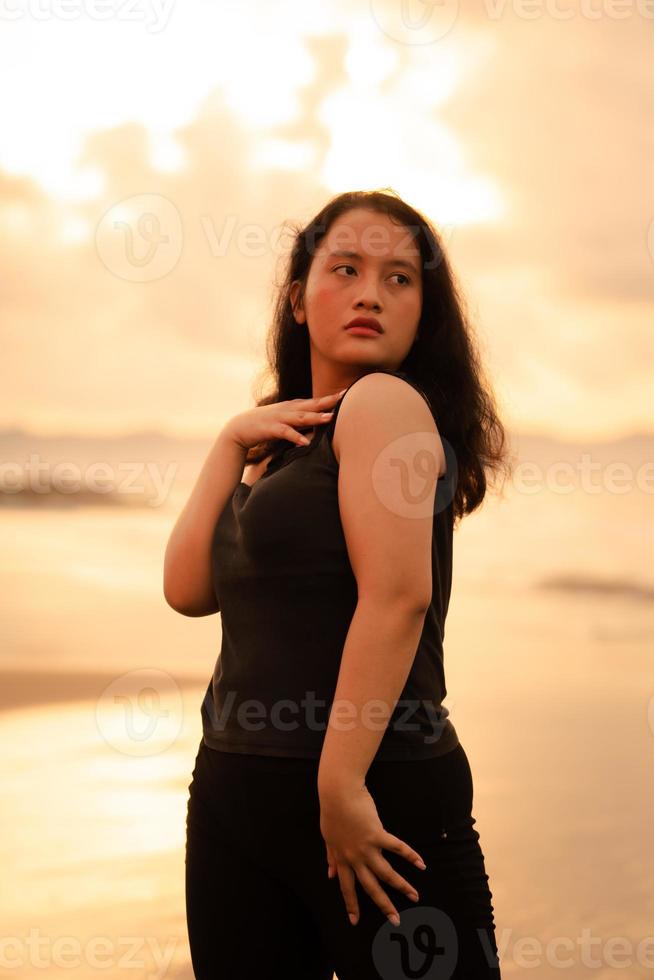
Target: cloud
<point>555,114</point>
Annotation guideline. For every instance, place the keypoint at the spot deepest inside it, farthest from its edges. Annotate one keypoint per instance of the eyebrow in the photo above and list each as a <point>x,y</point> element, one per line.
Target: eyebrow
<point>346,254</point>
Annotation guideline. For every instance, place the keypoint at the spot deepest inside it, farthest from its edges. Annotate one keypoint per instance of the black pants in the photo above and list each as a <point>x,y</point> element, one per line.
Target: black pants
<point>260,906</point>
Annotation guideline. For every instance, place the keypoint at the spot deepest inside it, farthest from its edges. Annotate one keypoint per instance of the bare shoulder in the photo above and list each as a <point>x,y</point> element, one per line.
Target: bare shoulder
<point>378,408</point>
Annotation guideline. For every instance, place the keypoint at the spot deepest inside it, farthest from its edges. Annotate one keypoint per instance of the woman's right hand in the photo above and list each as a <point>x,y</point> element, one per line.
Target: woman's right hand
<point>280,420</point>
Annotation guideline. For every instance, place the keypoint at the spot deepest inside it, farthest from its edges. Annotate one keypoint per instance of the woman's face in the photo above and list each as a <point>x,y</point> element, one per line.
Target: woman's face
<point>382,280</point>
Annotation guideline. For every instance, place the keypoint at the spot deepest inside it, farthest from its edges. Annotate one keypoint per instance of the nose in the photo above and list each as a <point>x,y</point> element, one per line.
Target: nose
<point>369,299</point>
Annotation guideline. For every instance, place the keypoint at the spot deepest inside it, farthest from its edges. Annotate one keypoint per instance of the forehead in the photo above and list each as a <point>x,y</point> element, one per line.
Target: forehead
<point>371,237</point>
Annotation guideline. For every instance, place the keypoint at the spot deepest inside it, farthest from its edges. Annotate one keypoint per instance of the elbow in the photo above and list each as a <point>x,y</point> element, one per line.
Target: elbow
<point>191,609</point>
<point>187,605</point>
<point>175,604</point>
<point>186,594</point>
<point>411,604</point>
<point>171,593</point>
<point>415,605</point>
<point>174,601</point>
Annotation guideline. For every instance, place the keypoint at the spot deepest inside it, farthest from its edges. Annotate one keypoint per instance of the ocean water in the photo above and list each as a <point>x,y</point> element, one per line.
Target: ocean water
<point>549,654</point>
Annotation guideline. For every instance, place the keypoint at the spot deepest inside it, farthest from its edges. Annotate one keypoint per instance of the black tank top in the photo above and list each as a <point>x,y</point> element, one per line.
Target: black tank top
<point>287,593</point>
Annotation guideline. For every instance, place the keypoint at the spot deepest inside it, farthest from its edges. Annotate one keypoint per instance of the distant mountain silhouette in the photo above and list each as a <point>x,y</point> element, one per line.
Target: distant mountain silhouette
<point>141,458</point>
<point>613,588</point>
<point>25,688</point>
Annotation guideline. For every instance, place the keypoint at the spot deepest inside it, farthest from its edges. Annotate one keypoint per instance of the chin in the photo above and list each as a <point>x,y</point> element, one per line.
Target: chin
<point>361,356</point>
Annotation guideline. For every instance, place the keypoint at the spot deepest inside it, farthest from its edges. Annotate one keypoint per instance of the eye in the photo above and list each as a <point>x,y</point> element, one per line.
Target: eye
<point>407,281</point>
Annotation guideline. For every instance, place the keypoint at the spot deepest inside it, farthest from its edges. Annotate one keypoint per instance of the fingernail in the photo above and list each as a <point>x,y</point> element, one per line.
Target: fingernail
<point>353,919</point>
<point>414,898</point>
<point>394,919</point>
<point>421,865</point>
<point>342,391</point>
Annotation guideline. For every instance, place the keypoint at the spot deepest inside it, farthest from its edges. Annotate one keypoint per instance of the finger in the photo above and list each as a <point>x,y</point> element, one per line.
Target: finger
<point>348,890</point>
<point>377,893</point>
<point>285,431</point>
<point>392,843</point>
<point>331,864</point>
<point>308,418</point>
<point>302,420</point>
<point>311,419</point>
<point>387,873</point>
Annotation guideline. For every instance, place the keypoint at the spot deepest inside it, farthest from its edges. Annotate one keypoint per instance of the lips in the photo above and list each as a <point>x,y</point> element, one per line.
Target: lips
<point>365,321</point>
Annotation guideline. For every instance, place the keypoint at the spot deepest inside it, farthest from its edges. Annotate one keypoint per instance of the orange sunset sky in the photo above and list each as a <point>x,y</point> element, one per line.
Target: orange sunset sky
<point>523,131</point>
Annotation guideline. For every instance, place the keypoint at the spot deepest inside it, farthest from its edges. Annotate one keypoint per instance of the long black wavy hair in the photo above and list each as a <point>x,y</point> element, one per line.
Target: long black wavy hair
<point>444,360</point>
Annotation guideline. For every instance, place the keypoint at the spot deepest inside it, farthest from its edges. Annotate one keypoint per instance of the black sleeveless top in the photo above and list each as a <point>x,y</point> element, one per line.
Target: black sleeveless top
<point>287,593</point>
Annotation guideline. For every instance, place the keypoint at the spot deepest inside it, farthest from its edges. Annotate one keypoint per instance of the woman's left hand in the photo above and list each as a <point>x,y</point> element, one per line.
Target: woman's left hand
<point>354,837</point>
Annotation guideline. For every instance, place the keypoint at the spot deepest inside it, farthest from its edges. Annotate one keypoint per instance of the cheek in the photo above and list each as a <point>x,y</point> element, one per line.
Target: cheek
<point>413,306</point>
<point>324,300</point>
<point>324,294</point>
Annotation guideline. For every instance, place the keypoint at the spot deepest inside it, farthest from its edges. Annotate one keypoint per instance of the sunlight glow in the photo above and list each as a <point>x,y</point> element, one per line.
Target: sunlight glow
<point>166,153</point>
<point>74,230</point>
<point>283,155</point>
<point>15,218</point>
<point>368,62</point>
<point>83,184</point>
<point>425,161</point>
<point>390,135</point>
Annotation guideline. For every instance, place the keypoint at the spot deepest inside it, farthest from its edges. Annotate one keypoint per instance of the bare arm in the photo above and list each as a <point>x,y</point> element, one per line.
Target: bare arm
<point>379,650</point>
<point>390,455</point>
<point>188,586</point>
<point>390,459</point>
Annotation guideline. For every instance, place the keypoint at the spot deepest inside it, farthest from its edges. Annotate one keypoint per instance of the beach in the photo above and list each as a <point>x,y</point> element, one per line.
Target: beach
<point>549,687</point>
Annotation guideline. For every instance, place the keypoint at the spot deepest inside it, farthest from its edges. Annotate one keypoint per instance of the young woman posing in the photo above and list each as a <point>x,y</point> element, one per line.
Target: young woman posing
<point>329,823</point>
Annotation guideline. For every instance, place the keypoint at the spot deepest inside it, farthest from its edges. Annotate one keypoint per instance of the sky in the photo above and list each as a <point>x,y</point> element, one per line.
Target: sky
<point>154,159</point>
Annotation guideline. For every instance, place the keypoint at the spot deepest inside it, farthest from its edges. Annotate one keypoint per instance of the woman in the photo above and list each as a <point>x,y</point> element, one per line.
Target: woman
<point>329,824</point>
